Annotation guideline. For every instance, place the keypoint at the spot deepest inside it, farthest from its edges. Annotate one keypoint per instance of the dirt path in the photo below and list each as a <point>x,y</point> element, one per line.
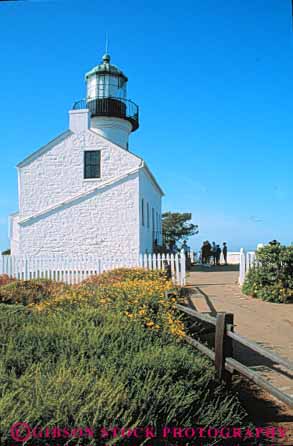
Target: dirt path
<point>269,324</point>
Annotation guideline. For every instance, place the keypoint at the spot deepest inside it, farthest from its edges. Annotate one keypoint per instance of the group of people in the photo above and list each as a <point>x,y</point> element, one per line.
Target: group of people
<point>211,253</point>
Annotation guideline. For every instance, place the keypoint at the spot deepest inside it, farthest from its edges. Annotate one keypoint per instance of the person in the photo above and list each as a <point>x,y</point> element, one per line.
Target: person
<point>225,252</point>
<point>218,254</point>
<point>185,247</point>
<point>203,253</point>
<point>209,252</point>
<point>167,268</point>
<point>186,250</point>
<point>214,252</point>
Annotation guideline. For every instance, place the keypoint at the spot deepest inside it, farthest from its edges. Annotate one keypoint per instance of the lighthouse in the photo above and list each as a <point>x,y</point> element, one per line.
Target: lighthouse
<point>112,115</point>
<point>84,193</point>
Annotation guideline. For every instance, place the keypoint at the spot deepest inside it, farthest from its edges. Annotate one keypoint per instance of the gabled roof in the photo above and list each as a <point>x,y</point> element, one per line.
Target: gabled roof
<point>68,133</point>
<point>45,148</point>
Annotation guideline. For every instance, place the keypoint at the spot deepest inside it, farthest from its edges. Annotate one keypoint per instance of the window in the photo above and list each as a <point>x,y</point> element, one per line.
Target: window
<point>142,212</point>
<point>153,219</point>
<point>92,164</point>
<point>157,221</point>
<point>148,215</point>
<point>159,229</point>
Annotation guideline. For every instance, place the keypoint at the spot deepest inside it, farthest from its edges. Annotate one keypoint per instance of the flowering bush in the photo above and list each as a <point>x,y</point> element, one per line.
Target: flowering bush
<point>125,274</point>
<point>272,277</point>
<point>137,294</point>
<point>4,279</point>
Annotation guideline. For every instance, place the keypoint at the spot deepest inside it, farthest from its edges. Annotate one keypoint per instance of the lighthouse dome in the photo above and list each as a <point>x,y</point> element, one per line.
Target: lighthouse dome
<point>106,68</point>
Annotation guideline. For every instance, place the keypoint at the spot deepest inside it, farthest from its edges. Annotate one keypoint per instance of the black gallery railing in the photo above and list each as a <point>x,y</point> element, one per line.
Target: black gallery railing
<point>111,107</point>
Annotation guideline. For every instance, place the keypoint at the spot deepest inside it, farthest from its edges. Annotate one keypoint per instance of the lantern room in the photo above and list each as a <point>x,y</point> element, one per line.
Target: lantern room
<point>106,93</point>
<point>111,113</point>
<point>106,81</point>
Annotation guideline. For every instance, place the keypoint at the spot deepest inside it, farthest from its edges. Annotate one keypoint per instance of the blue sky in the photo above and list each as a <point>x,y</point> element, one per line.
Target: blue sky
<point>214,82</point>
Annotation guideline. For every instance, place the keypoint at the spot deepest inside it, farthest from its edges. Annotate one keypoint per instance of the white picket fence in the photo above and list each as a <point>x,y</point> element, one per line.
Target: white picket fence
<point>74,270</point>
<point>247,260</point>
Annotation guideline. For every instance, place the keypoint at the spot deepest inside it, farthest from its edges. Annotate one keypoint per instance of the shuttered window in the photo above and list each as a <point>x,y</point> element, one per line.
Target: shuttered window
<point>142,212</point>
<point>92,164</point>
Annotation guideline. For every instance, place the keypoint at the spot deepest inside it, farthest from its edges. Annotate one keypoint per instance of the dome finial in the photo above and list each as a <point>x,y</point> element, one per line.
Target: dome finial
<point>106,57</point>
<point>107,43</point>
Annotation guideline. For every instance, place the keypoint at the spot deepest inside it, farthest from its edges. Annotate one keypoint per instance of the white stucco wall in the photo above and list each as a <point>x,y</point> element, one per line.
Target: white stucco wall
<point>114,129</point>
<point>58,174</point>
<point>103,224</point>
<point>14,233</point>
<point>151,196</point>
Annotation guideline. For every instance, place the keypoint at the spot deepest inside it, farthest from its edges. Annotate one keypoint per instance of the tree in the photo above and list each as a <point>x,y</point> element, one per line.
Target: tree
<point>177,227</point>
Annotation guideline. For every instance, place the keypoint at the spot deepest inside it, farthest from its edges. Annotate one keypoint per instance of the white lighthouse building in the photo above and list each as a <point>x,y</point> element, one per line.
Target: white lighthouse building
<point>85,193</point>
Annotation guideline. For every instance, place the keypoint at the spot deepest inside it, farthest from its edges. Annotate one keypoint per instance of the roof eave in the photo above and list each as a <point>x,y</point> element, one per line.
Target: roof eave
<point>145,166</point>
<point>44,148</point>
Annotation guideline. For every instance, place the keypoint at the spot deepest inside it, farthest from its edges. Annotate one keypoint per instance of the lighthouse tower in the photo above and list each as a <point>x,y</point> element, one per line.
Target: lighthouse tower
<point>112,114</point>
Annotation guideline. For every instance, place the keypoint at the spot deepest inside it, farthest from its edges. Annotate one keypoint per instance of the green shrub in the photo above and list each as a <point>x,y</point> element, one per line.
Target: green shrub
<point>7,252</point>
<point>29,291</point>
<point>272,277</point>
<point>90,367</point>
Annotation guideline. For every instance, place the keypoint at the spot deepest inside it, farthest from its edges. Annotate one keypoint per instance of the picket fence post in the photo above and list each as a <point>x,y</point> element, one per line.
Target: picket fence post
<point>26,272</point>
<point>1,265</point>
<point>242,267</point>
<point>182,268</point>
<point>72,270</point>
<point>177,272</point>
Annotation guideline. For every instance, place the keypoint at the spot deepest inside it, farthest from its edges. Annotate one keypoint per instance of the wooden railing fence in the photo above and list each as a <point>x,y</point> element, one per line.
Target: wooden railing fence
<point>222,354</point>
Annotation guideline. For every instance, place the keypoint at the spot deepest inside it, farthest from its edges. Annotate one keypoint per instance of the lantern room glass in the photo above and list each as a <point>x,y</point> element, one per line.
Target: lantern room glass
<point>101,86</point>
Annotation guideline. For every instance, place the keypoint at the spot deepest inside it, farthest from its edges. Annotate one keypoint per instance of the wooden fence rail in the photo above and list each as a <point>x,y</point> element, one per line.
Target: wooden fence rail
<point>222,354</point>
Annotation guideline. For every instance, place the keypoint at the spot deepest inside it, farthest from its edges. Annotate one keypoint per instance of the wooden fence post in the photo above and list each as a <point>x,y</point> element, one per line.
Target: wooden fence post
<point>223,345</point>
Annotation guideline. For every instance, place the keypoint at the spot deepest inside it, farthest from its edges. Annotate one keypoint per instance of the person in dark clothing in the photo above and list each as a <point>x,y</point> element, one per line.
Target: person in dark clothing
<point>209,252</point>
<point>218,254</point>
<point>167,268</point>
<point>225,252</point>
<point>205,252</point>
<point>214,253</point>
